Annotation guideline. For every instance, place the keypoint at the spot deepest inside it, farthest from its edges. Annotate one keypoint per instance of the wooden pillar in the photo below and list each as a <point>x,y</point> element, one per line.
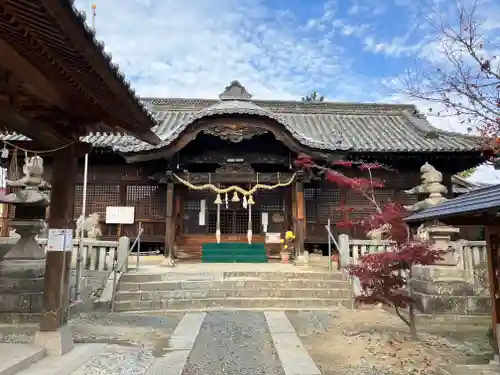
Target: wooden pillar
<point>493,253</point>
<point>169,221</point>
<point>299,216</point>
<point>57,337</point>
<point>448,182</point>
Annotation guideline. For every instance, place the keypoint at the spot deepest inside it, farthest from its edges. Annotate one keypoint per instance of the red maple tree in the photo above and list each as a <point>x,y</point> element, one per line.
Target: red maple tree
<point>384,278</point>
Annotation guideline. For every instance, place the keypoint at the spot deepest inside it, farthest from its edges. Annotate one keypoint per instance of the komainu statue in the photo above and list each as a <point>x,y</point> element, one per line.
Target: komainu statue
<point>89,225</point>
<point>431,184</point>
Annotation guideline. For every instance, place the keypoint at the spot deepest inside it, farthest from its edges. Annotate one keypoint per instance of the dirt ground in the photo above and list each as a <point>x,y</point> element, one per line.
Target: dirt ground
<point>377,341</point>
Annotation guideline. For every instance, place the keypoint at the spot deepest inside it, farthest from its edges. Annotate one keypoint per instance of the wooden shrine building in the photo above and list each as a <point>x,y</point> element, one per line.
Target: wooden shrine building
<point>238,141</point>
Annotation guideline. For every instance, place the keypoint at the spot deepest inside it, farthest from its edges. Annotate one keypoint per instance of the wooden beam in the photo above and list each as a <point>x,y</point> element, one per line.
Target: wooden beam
<point>37,130</point>
<point>30,76</point>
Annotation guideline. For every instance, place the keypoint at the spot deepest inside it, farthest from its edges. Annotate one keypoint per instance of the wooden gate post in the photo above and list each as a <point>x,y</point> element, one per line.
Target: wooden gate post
<point>169,221</point>
<point>299,216</point>
<point>54,334</point>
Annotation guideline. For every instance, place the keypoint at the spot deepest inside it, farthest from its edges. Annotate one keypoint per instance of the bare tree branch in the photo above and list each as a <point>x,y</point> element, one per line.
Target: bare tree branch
<point>465,78</point>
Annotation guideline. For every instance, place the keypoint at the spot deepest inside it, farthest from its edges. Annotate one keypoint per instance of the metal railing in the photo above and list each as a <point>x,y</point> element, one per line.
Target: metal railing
<point>118,268</point>
<point>331,238</point>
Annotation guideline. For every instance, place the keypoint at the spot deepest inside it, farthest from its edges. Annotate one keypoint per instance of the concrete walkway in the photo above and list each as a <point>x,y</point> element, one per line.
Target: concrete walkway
<point>229,343</point>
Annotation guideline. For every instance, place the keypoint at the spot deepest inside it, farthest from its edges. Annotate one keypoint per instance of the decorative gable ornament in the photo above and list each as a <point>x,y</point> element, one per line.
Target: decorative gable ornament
<point>235,91</point>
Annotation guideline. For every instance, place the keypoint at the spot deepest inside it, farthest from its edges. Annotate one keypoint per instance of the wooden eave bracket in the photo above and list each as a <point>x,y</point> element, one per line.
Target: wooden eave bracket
<point>36,130</point>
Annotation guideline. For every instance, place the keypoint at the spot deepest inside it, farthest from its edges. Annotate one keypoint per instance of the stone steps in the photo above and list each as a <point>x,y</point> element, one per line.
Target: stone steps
<point>231,284</point>
<point>493,369</point>
<point>232,293</point>
<point>186,291</point>
<point>210,303</point>
<point>205,276</point>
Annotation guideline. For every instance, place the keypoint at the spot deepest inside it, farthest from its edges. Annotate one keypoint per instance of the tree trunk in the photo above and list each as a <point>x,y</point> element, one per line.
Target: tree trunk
<point>411,309</point>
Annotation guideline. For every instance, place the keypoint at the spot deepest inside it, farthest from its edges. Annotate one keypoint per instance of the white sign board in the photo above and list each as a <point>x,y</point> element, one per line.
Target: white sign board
<point>120,215</point>
<point>273,237</point>
<point>60,240</point>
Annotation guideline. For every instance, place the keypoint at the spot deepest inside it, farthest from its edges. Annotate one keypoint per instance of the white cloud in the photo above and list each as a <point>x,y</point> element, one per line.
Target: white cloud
<point>171,48</point>
<point>195,48</point>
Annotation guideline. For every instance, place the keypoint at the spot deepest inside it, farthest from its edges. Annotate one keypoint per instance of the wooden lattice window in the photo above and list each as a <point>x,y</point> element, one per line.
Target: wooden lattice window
<point>322,204</point>
<point>311,204</point>
<point>384,196</point>
<point>101,196</point>
<point>77,211</point>
<point>328,205</point>
<point>406,199</point>
<point>98,198</point>
<point>149,201</point>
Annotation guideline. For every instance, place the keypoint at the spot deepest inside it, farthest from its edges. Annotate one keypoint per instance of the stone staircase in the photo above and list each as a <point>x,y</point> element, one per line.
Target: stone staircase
<point>231,290</point>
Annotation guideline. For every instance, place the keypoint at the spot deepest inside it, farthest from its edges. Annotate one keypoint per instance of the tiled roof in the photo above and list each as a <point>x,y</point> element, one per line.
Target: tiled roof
<point>476,201</point>
<point>320,125</point>
<point>462,185</point>
<point>90,33</point>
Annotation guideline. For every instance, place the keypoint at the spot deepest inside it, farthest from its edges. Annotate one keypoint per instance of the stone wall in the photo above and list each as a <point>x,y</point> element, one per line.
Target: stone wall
<point>21,297</point>
<point>460,289</point>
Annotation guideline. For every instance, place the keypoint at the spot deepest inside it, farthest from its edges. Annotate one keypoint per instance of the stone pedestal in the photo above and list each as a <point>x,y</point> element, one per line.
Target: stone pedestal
<point>22,275</point>
<point>446,287</point>
<point>56,342</point>
<point>302,260</point>
<point>168,262</point>
<point>440,238</point>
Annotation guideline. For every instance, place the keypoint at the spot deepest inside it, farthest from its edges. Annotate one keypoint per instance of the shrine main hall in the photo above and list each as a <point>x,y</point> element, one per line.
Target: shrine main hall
<point>224,175</point>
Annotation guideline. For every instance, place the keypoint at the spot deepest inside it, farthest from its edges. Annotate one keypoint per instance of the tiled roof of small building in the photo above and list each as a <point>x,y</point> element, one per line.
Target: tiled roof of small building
<point>320,125</point>
<point>476,201</point>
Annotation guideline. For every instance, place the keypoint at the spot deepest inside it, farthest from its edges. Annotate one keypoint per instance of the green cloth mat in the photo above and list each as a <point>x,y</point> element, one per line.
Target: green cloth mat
<point>233,252</point>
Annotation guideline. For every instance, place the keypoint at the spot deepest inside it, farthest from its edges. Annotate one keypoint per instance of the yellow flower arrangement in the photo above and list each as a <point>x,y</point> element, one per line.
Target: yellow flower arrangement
<point>288,242</point>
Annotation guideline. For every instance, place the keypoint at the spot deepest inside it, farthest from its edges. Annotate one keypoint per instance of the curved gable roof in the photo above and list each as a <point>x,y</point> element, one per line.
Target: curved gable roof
<point>320,125</point>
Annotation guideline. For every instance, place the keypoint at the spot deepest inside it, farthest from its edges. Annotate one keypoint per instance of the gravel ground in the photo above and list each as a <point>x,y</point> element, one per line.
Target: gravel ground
<point>375,342</point>
<point>148,331</point>
<point>233,343</point>
<point>118,360</point>
<point>341,342</point>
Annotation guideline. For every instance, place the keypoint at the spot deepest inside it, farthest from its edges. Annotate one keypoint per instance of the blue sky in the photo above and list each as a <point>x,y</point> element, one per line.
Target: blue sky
<point>348,50</point>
